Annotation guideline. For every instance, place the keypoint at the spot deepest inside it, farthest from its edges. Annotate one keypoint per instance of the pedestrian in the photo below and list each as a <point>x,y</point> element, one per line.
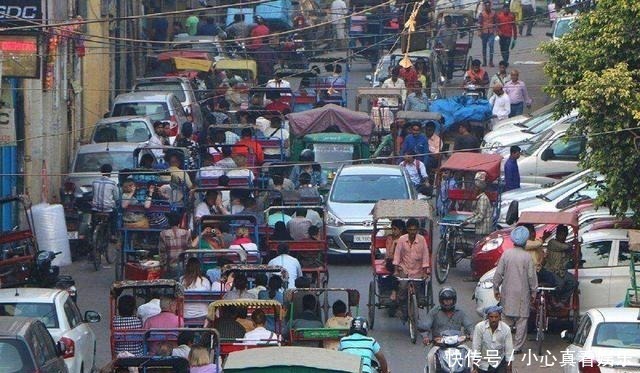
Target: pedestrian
<point>518,94</point>
<point>447,38</point>
<point>490,337</point>
<point>466,141</point>
<point>417,100</point>
<point>191,23</point>
<point>500,77</point>
<point>487,24</point>
<point>528,15</point>
<point>258,34</point>
<point>500,104</point>
<point>511,172</point>
<point>338,14</point>
<point>516,274</point>
<point>239,29</point>
<point>507,30</point>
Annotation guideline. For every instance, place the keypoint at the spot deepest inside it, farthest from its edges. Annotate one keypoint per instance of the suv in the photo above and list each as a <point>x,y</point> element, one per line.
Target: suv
<point>27,346</point>
<point>354,191</point>
<point>180,87</point>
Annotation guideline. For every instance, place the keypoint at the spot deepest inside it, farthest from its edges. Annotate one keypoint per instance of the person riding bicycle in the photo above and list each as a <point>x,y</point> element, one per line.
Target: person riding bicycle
<point>441,318</point>
<point>105,195</point>
<point>368,348</point>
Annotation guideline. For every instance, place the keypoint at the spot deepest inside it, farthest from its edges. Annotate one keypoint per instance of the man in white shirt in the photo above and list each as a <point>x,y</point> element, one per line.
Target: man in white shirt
<point>276,132</point>
<point>278,82</point>
<point>500,103</point>
<point>338,12</point>
<point>394,82</point>
<point>149,309</point>
<point>414,168</point>
<point>289,263</point>
<point>260,335</point>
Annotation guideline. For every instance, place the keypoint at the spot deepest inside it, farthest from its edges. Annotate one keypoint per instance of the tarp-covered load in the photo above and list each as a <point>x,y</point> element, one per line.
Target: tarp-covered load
<point>318,120</point>
<point>460,109</point>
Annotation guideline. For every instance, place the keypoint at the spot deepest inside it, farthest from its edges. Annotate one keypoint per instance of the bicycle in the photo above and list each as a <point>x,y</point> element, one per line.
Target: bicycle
<point>100,238</point>
<point>448,253</point>
<point>542,320</point>
<point>413,316</point>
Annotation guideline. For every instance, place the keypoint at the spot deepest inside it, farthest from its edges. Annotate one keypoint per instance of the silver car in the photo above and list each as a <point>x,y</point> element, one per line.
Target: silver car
<point>354,191</point>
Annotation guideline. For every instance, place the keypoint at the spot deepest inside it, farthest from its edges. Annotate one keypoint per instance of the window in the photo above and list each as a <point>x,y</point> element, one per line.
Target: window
<point>173,87</point>
<point>45,312</point>
<point>368,188</point>
<point>537,141</point>
<point>41,344</point>
<point>624,255</point>
<point>15,357</point>
<point>154,110</point>
<point>596,254</point>
<point>618,335</point>
<point>91,162</point>
<point>72,313</point>
<point>129,131</point>
<point>583,331</point>
<point>567,149</point>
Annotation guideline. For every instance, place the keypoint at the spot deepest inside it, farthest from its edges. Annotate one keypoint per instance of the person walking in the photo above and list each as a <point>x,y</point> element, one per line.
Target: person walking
<point>487,24</point>
<point>258,34</point>
<point>447,38</point>
<point>516,274</point>
<point>511,172</point>
<point>338,13</point>
<point>500,77</point>
<point>239,29</point>
<point>518,94</point>
<point>500,104</point>
<point>507,30</point>
<point>528,14</point>
<point>493,335</point>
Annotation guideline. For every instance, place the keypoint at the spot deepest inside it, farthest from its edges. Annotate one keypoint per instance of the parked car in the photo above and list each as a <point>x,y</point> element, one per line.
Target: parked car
<point>354,191</point>
<point>181,88</point>
<point>134,129</point>
<point>604,272</point>
<point>27,346</point>
<point>607,340</point>
<point>518,122</point>
<point>157,106</point>
<point>561,26</point>
<point>62,318</point>
<point>488,251</point>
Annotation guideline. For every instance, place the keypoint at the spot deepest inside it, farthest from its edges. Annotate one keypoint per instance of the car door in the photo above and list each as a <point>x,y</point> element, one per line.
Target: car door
<point>594,275</point>
<point>559,159</point>
<point>577,347</point>
<point>80,333</point>
<point>620,272</point>
<point>44,350</point>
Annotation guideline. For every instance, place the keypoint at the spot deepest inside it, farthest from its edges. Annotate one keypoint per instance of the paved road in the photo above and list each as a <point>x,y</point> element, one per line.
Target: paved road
<point>403,356</point>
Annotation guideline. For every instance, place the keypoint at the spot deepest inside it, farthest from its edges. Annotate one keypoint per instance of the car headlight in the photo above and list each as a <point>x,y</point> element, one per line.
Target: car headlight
<point>333,220</point>
<point>492,244</point>
<point>486,284</point>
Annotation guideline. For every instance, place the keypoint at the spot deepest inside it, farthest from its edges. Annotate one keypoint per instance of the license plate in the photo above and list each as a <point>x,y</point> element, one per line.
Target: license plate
<point>72,235</point>
<point>361,238</point>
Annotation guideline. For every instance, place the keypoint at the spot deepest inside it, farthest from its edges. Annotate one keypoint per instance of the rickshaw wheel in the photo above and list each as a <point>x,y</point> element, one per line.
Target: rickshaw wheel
<point>413,318</point>
<point>429,296</point>
<point>372,303</point>
<point>442,263</point>
<point>539,332</point>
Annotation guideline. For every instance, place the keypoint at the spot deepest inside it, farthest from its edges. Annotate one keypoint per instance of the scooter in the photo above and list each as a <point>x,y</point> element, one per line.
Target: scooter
<point>452,356</point>
<point>46,275</point>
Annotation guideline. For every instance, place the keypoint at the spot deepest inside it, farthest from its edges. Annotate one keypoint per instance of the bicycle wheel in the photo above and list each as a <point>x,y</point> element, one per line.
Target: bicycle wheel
<point>106,246</point>
<point>429,300</point>
<point>442,262</point>
<point>412,308</point>
<point>96,246</point>
<point>371,304</point>
<point>540,328</point>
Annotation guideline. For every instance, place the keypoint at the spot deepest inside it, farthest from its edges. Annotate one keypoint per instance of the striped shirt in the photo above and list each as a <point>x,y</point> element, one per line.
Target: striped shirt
<point>363,346</point>
<point>172,242</point>
<point>128,323</point>
<point>482,215</point>
<point>105,194</point>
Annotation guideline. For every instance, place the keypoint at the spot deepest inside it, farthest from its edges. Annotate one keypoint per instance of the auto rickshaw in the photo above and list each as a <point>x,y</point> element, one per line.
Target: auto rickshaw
<point>293,359</point>
<point>143,291</point>
<point>420,290</point>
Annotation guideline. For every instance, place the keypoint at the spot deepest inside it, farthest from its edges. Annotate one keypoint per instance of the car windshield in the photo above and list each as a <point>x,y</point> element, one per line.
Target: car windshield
<point>332,154</point>
<point>45,312</point>
<point>368,188</point>
<point>91,162</point>
<point>618,335</point>
<point>15,357</point>
<point>563,26</point>
<point>173,87</point>
<point>536,142</point>
<point>127,131</point>
<point>154,110</point>
<point>538,124</point>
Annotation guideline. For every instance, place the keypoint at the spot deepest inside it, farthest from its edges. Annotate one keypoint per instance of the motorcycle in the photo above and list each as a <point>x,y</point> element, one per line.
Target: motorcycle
<point>46,275</point>
<point>452,356</point>
<point>76,203</point>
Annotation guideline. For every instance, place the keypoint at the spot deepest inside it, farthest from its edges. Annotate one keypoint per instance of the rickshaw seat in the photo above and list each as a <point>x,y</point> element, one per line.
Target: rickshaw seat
<point>469,195</point>
<point>227,348</point>
<point>380,267</point>
<point>306,99</point>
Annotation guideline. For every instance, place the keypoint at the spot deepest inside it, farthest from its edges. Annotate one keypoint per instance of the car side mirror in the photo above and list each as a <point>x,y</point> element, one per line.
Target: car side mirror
<point>566,336</point>
<point>547,154</point>
<point>368,77</point>
<point>92,317</point>
<point>549,34</point>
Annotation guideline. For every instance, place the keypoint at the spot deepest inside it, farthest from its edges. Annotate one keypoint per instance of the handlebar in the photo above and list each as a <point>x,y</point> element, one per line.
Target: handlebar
<point>411,279</point>
<point>457,225</point>
<point>542,288</point>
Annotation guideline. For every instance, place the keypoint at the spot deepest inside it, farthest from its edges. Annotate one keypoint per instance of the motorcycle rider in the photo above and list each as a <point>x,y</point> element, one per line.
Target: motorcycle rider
<point>441,318</point>
<point>358,343</point>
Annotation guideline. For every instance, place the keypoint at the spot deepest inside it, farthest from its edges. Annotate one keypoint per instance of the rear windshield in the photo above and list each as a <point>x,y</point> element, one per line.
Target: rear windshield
<point>618,335</point>
<point>154,110</point>
<point>129,131</point>
<point>332,154</point>
<point>14,357</point>
<point>45,312</point>
<point>91,162</point>
<point>173,87</point>
<point>368,188</point>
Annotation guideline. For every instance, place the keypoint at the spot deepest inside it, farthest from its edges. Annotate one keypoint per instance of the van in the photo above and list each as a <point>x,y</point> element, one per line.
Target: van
<point>159,106</point>
<point>180,87</point>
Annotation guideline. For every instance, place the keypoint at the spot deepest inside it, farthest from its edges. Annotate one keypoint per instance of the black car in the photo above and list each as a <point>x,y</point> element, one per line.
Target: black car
<point>26,347</point>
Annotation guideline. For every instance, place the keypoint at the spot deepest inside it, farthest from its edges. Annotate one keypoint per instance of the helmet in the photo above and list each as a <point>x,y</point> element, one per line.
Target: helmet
<point>258,19</point>
<point>359,325</point>
<point>447,293</point>
<point>307,155</point>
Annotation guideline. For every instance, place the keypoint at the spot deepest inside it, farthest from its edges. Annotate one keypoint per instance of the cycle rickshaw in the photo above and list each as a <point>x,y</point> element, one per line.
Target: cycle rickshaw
<point>455,194</point>
<point>379,292</point>
<point>463,22</point>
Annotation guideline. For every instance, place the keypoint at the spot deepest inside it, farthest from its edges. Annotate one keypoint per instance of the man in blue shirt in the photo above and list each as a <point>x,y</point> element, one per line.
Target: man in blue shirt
<point>416,141</point>
<point>511,172</point>
<point>358,343</point>
<point>417,100</point>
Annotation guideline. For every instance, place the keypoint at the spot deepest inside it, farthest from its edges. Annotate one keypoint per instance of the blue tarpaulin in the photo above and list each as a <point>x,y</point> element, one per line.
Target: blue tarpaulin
<point>461,108</point>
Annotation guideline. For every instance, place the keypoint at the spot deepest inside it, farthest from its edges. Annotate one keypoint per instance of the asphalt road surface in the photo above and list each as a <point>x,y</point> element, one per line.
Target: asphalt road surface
<point>390,332</point>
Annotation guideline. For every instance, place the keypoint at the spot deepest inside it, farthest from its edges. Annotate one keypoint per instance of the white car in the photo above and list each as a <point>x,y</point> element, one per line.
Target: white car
<point>607,339</point>
<point>63,319</point>
<point>603,276</point>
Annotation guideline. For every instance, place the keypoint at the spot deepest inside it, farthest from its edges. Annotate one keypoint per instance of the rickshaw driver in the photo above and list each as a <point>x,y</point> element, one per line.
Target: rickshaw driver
<point>358,343</point>
<point>105,195</point>
<point>444,317</point>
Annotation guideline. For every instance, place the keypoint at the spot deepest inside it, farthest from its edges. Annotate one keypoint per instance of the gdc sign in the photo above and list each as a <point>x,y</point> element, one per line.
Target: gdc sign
<point>20,12</point>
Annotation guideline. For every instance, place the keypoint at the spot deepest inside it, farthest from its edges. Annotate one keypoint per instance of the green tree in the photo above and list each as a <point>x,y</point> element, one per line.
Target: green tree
<point>595,69</point>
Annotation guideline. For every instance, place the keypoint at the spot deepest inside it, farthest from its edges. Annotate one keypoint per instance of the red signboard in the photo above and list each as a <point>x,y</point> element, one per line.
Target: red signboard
<point>20,56</point>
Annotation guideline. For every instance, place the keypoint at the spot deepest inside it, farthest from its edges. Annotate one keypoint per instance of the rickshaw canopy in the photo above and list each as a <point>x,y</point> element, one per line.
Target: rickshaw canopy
<point>378,92</point>
<point>475,162</point>
<point>259,268</point>
<point>418,115</point>
<point>536,217</point>
<point>247,65</point>
<point>192,64</point>
<point>255,303</point>
<point>318,120</point>
<point>401,209</point>
<point>292,359</point>
<point>118,286</point>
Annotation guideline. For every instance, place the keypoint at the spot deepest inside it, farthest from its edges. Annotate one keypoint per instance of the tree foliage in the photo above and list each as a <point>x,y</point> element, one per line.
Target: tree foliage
<point>596,69</point>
